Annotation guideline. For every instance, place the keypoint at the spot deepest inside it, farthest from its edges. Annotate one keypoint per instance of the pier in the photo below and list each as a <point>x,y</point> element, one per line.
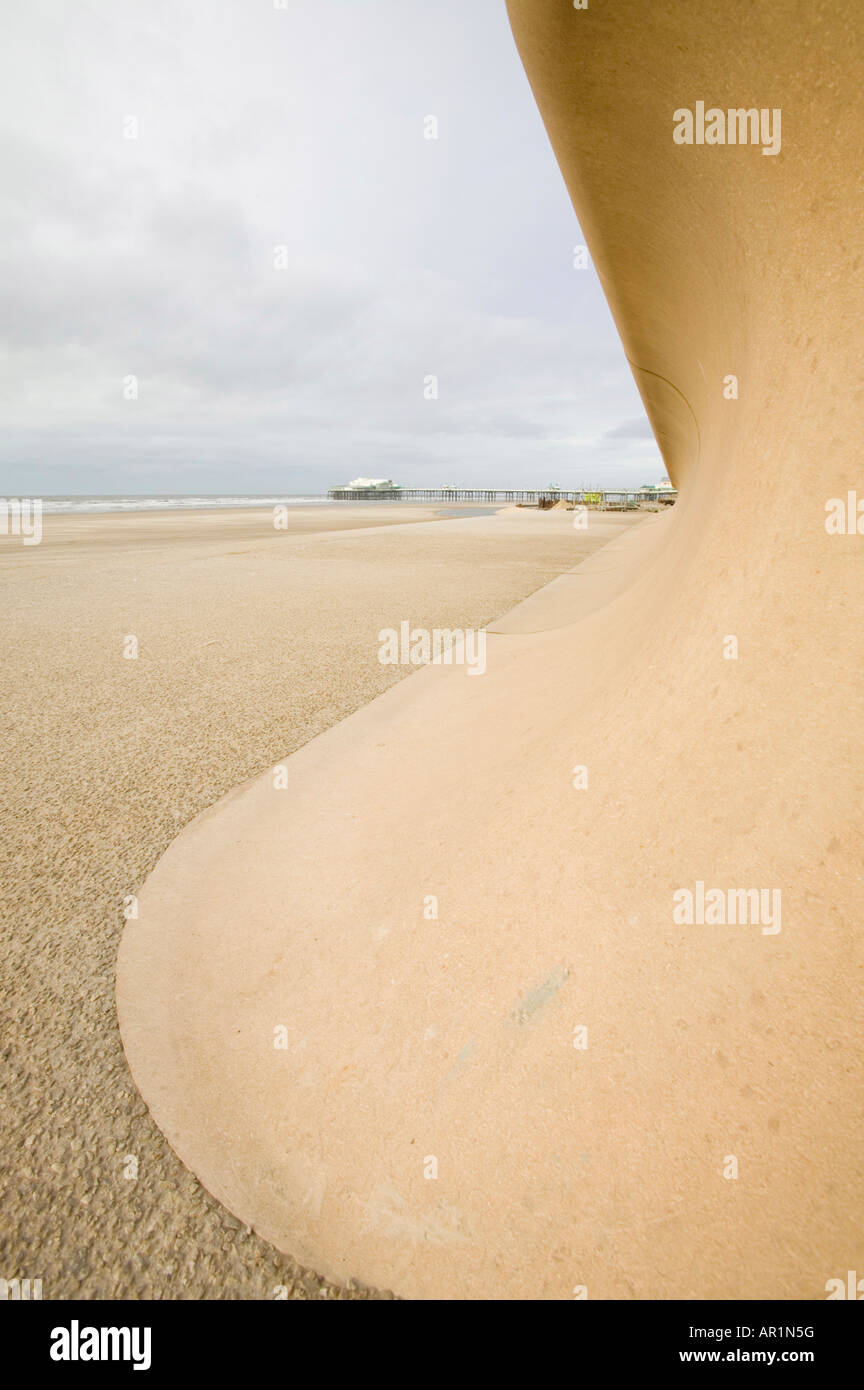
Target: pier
<point>592,497</point>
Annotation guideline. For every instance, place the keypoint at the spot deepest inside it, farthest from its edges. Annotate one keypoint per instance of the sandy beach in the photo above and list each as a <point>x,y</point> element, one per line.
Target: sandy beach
<point>250,643</point>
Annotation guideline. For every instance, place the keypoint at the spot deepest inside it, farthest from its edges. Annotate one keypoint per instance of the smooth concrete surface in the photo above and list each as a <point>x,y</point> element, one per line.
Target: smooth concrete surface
<point>426,1123</point>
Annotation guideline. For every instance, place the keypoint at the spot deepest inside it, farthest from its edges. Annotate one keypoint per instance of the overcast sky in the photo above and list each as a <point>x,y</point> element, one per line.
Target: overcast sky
<point>265,370</point>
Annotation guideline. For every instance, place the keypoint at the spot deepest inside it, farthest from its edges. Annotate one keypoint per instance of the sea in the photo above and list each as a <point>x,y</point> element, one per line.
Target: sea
<point>175,502</point>
<point>80,504</point>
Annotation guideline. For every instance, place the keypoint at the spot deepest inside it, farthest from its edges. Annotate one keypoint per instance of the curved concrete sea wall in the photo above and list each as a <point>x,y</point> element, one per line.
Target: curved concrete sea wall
<point>449,1011</point>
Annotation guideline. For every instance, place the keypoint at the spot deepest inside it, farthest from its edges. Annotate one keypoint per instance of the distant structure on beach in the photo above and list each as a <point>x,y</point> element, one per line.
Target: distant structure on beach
<point>664,485</point>
<point>373,485</point>
<point>376,489</point>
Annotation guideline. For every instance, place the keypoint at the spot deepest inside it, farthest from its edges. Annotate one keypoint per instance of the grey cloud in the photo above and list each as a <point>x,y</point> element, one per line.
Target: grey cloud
<point>631,429</point>
<point>405,258</point>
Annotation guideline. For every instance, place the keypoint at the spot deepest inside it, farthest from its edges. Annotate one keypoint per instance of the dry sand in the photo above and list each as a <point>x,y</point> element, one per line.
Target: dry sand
<point>251,642</point>
<point>416,1043</point>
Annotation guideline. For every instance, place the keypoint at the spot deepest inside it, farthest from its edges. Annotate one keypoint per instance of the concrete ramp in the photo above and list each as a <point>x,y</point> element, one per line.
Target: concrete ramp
<point>432,1014</point>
